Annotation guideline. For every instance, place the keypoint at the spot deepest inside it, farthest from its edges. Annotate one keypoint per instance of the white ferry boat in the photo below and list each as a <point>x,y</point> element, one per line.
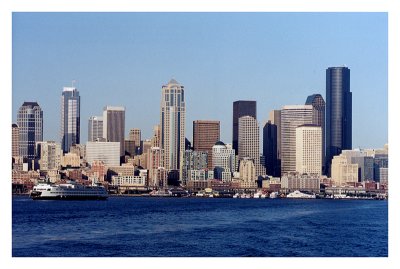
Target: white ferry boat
<point>298,194</point>
<point>68,191</point>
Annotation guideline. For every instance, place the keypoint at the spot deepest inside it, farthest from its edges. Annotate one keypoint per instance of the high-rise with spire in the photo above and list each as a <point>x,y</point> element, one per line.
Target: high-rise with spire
<point>70,118</point>
<point>172,123</point>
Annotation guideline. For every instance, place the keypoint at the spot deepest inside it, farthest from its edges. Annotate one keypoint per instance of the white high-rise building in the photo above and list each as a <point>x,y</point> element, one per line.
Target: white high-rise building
<point>292,117</point>
<point>309,149</point>
<point>249,142</point>
<point>95,128</point>
<point>114,126</point>
<point>343,171</point>
<point>172,121</point>
<point>107,152</point>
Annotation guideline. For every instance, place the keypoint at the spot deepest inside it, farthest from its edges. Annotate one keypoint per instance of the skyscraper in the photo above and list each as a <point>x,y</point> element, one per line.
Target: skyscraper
<point>70,118</point>
<point>249,142</point>
<point>114,126</point>
<point>172,121</point>
<point>309,149</point>
<point>205,134</point>
<point>338,112</point>
<point>241,108</point>
<point>270,139</point>
<point>135,135</point>
<point>30,122</point>
<point>292,117</point>
<point>15,141</point>
<point>95,128</point>
<point>318,105</point>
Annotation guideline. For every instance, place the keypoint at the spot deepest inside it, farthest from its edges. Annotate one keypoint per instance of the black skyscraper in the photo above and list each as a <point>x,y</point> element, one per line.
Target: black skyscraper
<point>338,112</point>
<point>240,109</point>
<point>270,139</point>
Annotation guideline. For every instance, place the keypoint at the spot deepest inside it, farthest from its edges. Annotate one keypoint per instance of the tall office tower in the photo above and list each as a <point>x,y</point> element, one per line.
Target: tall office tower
<point>223,161</point>
<point>95,128</point>
<point>249,142</point>
<point>30,122</point>
<point>70,118</point>
<point>292,116</point>
<point>240,109</point>
<point>15,141</point>
<point>338,112</point>
<point>49,154</point>
<point>205,134</point>
<point>275,118</point>
<point>155,140</point>
<point>318,105</point>
<point>270,139</point>
<point>309,149</point>
<point>114,126</point>
<point>135,135</point>
<point>172,121</point>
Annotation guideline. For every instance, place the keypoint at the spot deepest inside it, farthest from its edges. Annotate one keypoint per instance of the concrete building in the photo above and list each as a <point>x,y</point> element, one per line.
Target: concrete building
<point>292,116</point>
<point>154,161</point>
<point>70,118</point>
<point>70,159</point>
<point>338,112</point>
<point>241,108</point>
<point>249,142</point>
<point>129,182</point>
<point>30,123</point>
<point>365,163</point>
<point>343,171</point>
<point>114,126</point>
<point>200,175</point>
<point>223,161</point>
<point>309,149</point>
<point>247,174</point>
<point>172,121</point>
<point>193,160</point>
<point>95,128</point>
<point>135,135</point>
<point>15,141</point>
<point>98,171</point>
<point>49,154</point>
<point>108,152</point>
<point>156,138</point>
<point>303,182</point>
<point>205,134</point>
<point>318,104</point>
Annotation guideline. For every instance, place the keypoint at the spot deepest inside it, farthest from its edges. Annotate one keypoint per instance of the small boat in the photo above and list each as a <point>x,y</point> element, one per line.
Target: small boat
<point>301,195</point>
<point>274,195</point>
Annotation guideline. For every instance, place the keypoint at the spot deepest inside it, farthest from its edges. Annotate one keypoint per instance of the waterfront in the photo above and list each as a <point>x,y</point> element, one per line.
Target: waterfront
<point>175,227</point>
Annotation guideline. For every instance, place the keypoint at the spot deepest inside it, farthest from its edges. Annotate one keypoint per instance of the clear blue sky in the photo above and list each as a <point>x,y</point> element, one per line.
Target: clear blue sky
<point>274,58</point>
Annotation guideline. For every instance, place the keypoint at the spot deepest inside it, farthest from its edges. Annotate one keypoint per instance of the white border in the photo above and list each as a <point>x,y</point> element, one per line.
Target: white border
<point>9,6</point>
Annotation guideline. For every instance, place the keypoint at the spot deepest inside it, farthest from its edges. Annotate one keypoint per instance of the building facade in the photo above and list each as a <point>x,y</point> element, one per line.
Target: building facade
<point>30,123</point>
<point>343,171</point>
<point>205,134</point>
<point>241,108</point>
<point>70,118</point>
<point>135,135</point>
<point>309,149</point>
<point>95,128</point>
<point>223,161</point>
<point>107,152</point>
<point>15,141</point>
<point>338,112</point>
<point>172,122</point>
<point>114,126</point>
<point>49,154</point>
<point>193,160</point>
<point>292,116</point>
<point>303,182</point>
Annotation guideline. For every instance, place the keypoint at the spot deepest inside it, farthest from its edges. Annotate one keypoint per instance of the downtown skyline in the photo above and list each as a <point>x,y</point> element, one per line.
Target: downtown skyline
<point>209,93</point>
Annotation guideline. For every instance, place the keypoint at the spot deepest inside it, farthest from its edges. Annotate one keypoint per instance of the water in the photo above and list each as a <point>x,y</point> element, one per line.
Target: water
<point>175,227</point>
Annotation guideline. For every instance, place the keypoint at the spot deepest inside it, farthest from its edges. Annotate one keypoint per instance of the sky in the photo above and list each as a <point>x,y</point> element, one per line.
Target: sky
<point>123,59</point>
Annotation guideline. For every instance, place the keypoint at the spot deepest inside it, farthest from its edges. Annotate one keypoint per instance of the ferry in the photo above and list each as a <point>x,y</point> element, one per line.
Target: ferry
<point>298,194</point>
<point>68,191</point>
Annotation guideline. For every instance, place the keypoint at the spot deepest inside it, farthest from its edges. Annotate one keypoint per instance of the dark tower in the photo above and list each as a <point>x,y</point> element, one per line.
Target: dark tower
<point>338,113</point>
<point>240,109</point>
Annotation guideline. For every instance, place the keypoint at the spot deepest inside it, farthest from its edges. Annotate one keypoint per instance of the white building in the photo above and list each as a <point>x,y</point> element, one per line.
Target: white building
<point>303,182</point>
<point>128,181</point>
<point>249,142</point>
<point>108,152</point>
<point>172,121</point>
<point>292,117</point>
<point>49,153</point>
<point>95,128</point>
<point>309,149</point>
<point>247,173</point>
<point>343,171</point>
<point>223,159</point>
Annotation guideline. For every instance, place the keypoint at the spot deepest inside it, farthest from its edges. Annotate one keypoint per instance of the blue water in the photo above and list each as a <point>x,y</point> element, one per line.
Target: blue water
<point>174,227</point>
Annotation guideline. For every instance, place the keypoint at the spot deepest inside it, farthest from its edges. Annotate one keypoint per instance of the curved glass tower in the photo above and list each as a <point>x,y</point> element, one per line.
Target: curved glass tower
<point>338,112</point>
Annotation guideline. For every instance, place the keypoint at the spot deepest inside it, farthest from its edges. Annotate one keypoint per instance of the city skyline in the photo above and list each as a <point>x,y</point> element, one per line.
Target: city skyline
<point>275,92</point>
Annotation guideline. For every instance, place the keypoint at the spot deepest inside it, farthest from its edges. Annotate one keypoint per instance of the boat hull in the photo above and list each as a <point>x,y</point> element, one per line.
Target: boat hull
<point>69,197</point>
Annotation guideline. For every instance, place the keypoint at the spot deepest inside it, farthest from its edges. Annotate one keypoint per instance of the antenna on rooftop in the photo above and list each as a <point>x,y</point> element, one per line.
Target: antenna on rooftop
<point>73,83</point>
